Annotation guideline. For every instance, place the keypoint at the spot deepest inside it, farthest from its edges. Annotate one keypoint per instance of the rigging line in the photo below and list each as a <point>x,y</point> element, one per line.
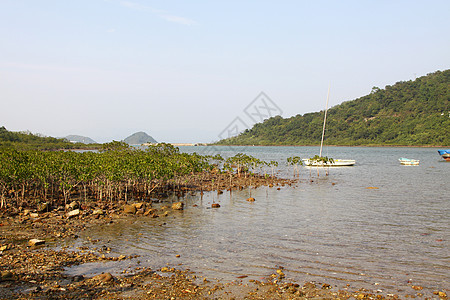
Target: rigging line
<point>324,121</point>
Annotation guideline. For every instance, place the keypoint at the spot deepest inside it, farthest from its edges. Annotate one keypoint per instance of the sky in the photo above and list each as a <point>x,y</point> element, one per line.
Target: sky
<point>198,71</point>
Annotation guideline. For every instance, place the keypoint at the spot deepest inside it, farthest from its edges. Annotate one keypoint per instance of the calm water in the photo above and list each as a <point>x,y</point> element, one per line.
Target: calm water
<point>332,230</point>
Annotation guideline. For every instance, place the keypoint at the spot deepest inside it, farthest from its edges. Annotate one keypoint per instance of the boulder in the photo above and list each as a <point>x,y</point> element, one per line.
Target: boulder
<point>98,211</point>
<point>104,277</point>
<point>178,206</point>
<point>129,209</point>
<point>73,213</point>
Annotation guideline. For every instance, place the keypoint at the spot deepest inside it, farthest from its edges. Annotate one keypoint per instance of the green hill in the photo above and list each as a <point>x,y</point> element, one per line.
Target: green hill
<point>139,138</point>
<point>406,113</point>
<point>80,139</point>
<point>28,140</point>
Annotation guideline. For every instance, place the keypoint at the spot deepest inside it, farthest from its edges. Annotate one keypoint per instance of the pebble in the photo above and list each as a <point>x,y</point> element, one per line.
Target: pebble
<point>178,206</point>
<point>35,242</point>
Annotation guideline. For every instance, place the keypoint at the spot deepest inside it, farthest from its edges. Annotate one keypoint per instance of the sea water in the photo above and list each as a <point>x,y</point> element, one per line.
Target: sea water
<point>377,225</point>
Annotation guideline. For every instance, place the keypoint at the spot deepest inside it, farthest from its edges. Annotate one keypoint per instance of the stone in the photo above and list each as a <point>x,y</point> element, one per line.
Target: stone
<point>139,205</point>
<point>6,275</point>
<point>73,205</point>
<point>98,211</point>
<point>43,207</point>
<point>178,206</point>
<point>78,278</point>
<point>34,215</point>
<point>104,277</point>
<point>73,213</point>
<point>150,212</point>
<point>251,199</point>
<point>35,242</point>
<point>129,209</point>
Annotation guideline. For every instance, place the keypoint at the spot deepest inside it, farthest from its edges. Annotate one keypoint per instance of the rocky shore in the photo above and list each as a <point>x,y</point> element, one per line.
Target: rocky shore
<point>32,267</point>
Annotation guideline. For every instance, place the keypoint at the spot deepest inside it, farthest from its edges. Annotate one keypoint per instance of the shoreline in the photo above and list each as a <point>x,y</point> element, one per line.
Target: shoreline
<point>318,145</point>
<point>37,271</point>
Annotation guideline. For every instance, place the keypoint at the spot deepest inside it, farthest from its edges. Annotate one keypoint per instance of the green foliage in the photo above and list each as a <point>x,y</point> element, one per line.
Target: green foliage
<point>29,141</point>
<point>407,113</point>
<point>114,146</point>
<point>55,174</point>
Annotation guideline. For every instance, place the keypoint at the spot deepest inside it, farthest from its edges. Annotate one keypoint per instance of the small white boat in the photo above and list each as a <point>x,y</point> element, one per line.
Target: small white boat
<point>409,162</point>
<point>335,163</point>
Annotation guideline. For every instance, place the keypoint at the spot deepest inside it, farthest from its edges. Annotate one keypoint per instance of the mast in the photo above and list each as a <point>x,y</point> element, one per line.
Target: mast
<point>324,122</point>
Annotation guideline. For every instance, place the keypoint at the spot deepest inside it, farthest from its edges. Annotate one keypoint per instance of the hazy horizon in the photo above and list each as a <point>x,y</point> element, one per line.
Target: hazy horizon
<point>194,71</point>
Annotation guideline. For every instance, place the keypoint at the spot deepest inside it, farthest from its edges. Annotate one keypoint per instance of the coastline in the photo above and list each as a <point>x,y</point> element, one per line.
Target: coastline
<point>318,145</point>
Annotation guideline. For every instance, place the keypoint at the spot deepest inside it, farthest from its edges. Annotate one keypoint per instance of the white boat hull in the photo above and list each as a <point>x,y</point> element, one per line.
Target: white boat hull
<point>336,163</point>
<point>409,162</point>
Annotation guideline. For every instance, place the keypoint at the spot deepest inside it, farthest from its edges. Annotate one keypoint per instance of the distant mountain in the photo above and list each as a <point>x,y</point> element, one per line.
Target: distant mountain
<point>139,138</point>
<point>80,139</point>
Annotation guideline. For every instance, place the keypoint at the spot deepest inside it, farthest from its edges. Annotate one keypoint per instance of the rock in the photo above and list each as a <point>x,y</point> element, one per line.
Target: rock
<point>129,209</point>
<point>34,215</point>
<point>6,275</point>
<point>251,199</point>
<point>35,242</point>
<point>150,212</point>
<point>280,273</point>
<point>73,205</point>
<point>139,205</point>
<point>78,278</point>
<point>104,277</point>
<point>98,211</point>
<point>73,213</point>
<point>215,205</point>
<point>178,206</point>
<point>43,207</point>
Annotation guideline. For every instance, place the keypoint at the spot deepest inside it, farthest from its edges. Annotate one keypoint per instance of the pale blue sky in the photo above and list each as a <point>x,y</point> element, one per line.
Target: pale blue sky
<point>182,71</point>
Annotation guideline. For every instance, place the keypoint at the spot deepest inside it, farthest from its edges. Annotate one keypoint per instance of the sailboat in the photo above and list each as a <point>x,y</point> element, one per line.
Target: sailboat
<point>333,162</point>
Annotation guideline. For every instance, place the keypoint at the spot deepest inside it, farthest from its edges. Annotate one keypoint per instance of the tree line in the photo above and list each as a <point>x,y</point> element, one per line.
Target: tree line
<point>407,113</point>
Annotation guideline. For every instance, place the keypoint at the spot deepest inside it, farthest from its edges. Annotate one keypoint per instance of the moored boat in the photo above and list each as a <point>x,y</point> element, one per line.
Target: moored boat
<point>334,163</point>
<point>445,154</point>
<point>331,162</point>
<point>409,162</point>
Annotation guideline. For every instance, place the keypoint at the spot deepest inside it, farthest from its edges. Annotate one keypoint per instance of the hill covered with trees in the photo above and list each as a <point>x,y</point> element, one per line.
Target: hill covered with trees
<point>28,140</point>
<point>139,138</point>
<point>411,113</point>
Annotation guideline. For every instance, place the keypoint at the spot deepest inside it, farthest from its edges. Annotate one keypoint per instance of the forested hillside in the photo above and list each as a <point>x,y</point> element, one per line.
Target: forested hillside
<point>27,140</point>
<point>406,113</point>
